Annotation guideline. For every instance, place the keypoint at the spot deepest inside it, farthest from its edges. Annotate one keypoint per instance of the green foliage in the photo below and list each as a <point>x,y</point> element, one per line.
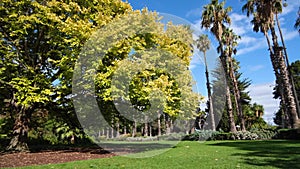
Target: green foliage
<point>40,43</point>
<point>253,134</point>
<point>202,135</point>
<point>291,134</point>
<point>265,134</point>
<point>6,124</point>
<point>244,135</point>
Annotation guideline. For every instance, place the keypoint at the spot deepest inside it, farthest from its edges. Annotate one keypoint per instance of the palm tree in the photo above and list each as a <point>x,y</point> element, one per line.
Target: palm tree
<point>230,40</point>
<point>203,44</point>
<point>215,16</point>
<point>263,21</point>
<point>297,23</point>
<point>278,9</point>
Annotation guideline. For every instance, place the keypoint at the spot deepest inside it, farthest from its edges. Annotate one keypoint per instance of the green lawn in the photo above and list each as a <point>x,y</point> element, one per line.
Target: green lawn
<point>210,154</point>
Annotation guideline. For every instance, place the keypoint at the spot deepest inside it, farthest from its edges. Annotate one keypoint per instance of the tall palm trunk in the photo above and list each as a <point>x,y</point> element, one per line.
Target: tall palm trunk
<point>20,131</point>
<point>277,74</point>
<point>211,110</point>
<point>227,93</point>
<point>237,96</point>
<point>290,100</point>
<point>288,66</point>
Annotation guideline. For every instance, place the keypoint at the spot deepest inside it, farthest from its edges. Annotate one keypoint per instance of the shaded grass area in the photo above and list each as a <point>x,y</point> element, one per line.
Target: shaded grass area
<point>275,153</point>
<point>210,154</point>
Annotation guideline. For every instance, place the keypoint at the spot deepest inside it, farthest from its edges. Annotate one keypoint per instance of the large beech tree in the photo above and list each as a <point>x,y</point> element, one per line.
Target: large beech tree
<point>39,44</point>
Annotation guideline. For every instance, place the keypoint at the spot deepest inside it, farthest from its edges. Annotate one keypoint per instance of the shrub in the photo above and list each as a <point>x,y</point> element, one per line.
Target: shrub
<point>245,135</point>
<point>141,139</point>
<point>292,134</point>
<point>265,134</point>
<point>171,137</point>
<point>203,135</point>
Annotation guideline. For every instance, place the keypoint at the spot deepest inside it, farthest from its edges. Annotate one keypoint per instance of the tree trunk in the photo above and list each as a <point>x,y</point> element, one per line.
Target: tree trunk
<point>146,127</point>
<point>20,131</point>
<point>118,129</point>
<point>237,96</point>
<point>290,100</point>
<point>112,132</point>
<point>275,66</point>
<point>210,108</point>
<point>288,67</point>
<point>168,131</point>
<point>150,130</point>
<point>134,128</point>
<point>107,133</point>
<point>125,130</point>
<point>291,105</point>
<point>158,123</point>
<point>228,97</point>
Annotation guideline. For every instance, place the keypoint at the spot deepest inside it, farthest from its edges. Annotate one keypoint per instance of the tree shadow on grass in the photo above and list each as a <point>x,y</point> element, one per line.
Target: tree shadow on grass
<point>275,153</point>
<point>134,147</point>
<point>115,147</point>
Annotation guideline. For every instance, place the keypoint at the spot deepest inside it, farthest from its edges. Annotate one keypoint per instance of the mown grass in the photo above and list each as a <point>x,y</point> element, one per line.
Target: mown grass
<point>210,154</point>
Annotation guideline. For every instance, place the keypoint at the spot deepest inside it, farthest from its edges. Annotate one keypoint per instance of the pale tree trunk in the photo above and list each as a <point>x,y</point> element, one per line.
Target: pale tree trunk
<point>237,96</point>
<point>125,130</point>
<point>146,127</point>
<point>150,130</point>
<point>187,127</point>
<point>20,131</point>
<point>211,111</point>
<point>290,100</point>
<point>158,123</point>
<point>288,67</point>
<point>118,129</point>
<point>112,132</point>
<point>171,126</point>
<point>134,128</point>
<point>107,133</point>
<point>168,131</point>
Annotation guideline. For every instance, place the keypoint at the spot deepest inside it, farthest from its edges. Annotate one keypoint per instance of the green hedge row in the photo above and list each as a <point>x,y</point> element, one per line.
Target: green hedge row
<point>261,134</point>
<point>290,134</point>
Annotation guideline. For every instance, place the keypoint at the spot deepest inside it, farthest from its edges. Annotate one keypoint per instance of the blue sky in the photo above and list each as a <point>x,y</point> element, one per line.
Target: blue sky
<point>252,50</point>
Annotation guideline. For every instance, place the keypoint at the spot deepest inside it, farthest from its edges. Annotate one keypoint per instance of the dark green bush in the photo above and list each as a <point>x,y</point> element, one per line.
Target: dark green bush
<point>203,135</point>
<point>291,134</point>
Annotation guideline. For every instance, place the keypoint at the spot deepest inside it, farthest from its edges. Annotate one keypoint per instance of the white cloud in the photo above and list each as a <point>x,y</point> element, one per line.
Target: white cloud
<point>238,17</point>
<point>263,94</point>
<point>194,13</point>
<point>246,40</point>
<point>240,23</point>
<point>290,35</point>
<point>196,60</point>
<point>258,43</point>
<point>255,68</point>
